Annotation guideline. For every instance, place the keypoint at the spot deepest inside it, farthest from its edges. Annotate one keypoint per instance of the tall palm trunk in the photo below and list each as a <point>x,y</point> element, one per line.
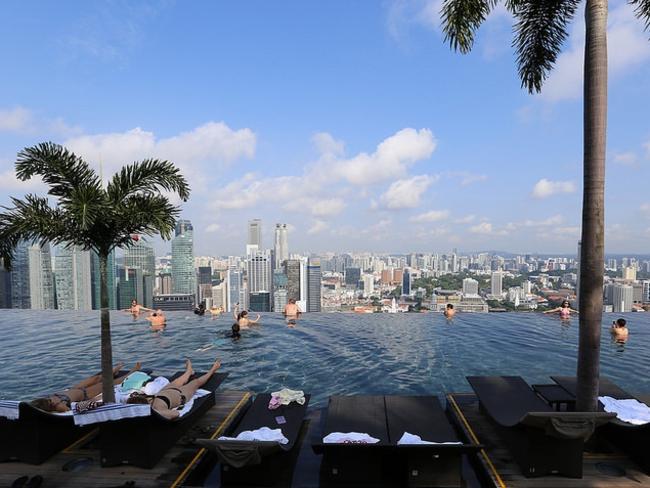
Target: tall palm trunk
<point>592,257</point>
<point>107,349</point>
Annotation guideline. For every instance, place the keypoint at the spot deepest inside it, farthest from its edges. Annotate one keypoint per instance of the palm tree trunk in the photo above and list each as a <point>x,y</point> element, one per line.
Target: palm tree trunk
<point>107,349</point>
<point>592,259</point>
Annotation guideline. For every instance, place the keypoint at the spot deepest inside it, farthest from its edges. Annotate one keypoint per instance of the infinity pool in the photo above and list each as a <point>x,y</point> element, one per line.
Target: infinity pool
<point>325,354</point>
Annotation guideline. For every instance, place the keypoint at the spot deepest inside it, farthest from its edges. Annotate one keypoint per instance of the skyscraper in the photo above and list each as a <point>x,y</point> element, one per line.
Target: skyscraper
<point>368,284</point>
<point>470,286</point>
<point>32,284</point>
<point>131,286</point>
<point>313,286</point>
<point>96,285</point>
<point>73,279</point>
<point>234,286</point>
<point>406,282</point>
<point>205,282</point>
<point>183,275</point>
<point>5,287</point>
<point>352,276</point>
<point>496,283</point>
<point>292,270</point>
<point>141,255</point>
<point>255,232</point>
<point>622,298</point>
<point>259,272</point>
<point>281,245</point>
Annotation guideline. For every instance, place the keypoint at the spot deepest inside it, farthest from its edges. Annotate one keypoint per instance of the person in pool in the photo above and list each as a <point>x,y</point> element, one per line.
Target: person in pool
<point>292,312</point>
<point>136,308</point>
<point>242,318</point>
<point>215,311</point>
<point>157,319</point>
<point>449,311</point>
<point>619,330</point>
<point>234,332</point>
<point>84,390</point>
<point>175,395</point>
<point>565,310</point>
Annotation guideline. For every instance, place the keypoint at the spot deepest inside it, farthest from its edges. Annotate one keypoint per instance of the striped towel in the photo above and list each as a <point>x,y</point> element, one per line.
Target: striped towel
<point>111,411</point>
<point>9,409</point>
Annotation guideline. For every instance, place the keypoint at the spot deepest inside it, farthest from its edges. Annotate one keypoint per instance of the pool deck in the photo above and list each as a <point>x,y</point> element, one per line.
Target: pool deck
<point>179,466</point>
<point>501,471</point>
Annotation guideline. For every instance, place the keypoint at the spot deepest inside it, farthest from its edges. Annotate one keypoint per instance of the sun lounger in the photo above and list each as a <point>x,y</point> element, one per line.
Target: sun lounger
<point>541,440</point>
<point>632,439</point>
<point>425,464</point>
<point>143,441</point>
<point>354,464</point>
<point>260,463</point>
<point>36,435</point>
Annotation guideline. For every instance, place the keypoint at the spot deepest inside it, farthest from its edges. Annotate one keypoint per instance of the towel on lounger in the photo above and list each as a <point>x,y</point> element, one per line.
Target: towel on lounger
<point>412,439</point>
<point>349,438</point>
<point>9,409</point>
<point>629,410</point>
<point>263,434</point>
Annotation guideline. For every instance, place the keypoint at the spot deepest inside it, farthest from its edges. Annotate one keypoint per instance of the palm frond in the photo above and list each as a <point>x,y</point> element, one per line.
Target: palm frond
<point>642,11</point>
<point>461,19</point>
<point>145,214</point>
<point>540,31</point>
<point>59,168</point>
<point>147,177</point>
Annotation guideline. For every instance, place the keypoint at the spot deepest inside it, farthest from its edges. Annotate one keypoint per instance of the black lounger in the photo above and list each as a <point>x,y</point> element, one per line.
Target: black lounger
<point>634,440</point>
<point>254,463</point>
<point>354,464</point>
<point>37,435</point>
<point>541,440</point>
<point>425,465</point>
<point>142,441</point>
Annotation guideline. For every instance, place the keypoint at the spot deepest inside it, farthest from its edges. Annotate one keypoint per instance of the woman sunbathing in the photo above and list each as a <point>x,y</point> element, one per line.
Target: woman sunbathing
<point>84,390</point>
<point>177,393</point>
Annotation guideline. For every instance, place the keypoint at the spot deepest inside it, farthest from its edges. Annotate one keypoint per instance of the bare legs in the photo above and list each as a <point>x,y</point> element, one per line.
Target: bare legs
<point>190,388</point>
<point>185,377</point>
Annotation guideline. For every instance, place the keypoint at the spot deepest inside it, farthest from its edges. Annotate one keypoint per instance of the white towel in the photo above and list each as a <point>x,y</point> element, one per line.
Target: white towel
<point>410,439</point>
<point>629,410</point>
<point>261,434</point>
<point>188,406</point>
<point>111,411</point>
<point>9,409</point>
<point>349,438</point>
<point>151,388</point>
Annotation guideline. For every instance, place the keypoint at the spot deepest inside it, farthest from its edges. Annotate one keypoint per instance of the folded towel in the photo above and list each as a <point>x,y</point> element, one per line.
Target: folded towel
<point>188,406</point>
<point>349,438</point>
<point>411,439</point>
<point>122,394</point>
<point>629,410</point>
<point>9,409</point>
<point>110,411</point>
<point>261,434</point>
<point>285,396</point>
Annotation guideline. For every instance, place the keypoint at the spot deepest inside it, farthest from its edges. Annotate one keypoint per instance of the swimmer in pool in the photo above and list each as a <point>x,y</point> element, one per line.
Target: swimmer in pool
<point>565,310</point>
<point>136,308</point>
<point>292,312</point>
<point>449,311</point>
<point>242,318</point>
<point>157,319</point>
<point>619,330</point>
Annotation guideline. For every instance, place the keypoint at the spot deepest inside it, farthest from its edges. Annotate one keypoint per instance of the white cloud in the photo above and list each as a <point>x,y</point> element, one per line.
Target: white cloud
<point>9,182</point>
<point>406,193</point>
<point>393,156</point>
<point>626,159</point>
<point>545,188</point>
<point>627,44</point>
<point>325,207</point>
<point>486,228</point>
<point>211,142</point>
<point>326,144</point>
<point>431,216</point>
<point>317,227</point>
<point>645,208</point>
<point>550,221</point>
<point>212,228</point>
<point>243,193</point>
<point>468,219</point>
<point>16,119</point>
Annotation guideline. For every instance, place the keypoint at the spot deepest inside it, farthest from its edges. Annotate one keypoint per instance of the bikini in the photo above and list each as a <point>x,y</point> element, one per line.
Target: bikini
<point>168,402</point>
<point>65,399</point>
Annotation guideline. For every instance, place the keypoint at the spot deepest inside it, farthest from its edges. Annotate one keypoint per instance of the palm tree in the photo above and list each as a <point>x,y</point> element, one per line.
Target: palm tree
<point>540,30</point>
<point>90,215</point>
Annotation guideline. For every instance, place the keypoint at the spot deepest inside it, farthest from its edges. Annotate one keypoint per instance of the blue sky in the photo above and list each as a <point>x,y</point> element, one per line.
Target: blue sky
<point>351,121</point>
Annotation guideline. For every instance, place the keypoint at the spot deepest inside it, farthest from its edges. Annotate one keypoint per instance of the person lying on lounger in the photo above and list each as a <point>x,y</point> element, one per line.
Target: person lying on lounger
<point>176,393</point>
<point>84,390</point>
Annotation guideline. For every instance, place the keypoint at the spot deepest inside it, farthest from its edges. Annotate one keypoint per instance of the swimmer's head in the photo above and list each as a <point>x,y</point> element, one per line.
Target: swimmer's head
<point>620,323</point>
<point>134,302</point>
<point>450,306</point>
<point>565,304</point>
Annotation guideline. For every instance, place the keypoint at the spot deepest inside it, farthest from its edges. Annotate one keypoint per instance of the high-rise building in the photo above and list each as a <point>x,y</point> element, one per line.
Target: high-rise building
<point>629,273</point>
<point>406,282</point>
<point>164,284</point>
<point>258,270</point>
<point>470,286</point>
<point>292,270</point>
<point>368,284</point>
<point>398,275</point>
<point>259,301</point>
<point>646,291</point>
<point>183,275</point>
<point>622,298</point>
<point>219,296</point>
<point>496,283</point>
<point>255,232</point>
<point>20,295</point>
<point>386,276</point>
<point>5,287</point>
<point>96,283</point>
<point>313,286</point>
<point>281,249</point>
<point>141,255</point>
<point>352,276</point>
<point>32,283</point>
<point>205,283</point>
<point>130,286</point>
<point>73,279</point>
<point>234,288</point>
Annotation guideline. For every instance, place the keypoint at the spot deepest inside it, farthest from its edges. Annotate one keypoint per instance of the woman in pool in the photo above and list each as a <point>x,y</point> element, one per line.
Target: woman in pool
<point>177,393</point>
<point>136,308</point>
<point>242,318</point>
<point>565,310</point>
<point>84,390</point>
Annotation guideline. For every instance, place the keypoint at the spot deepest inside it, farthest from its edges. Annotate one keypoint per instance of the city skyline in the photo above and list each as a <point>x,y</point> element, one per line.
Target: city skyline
<point>381,142</point>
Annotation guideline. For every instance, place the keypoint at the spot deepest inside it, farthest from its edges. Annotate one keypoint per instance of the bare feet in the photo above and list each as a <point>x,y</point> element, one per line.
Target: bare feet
<point>137,366</point>
<point>117,368</point>
<point>215,366</point>
<point>188,367</point>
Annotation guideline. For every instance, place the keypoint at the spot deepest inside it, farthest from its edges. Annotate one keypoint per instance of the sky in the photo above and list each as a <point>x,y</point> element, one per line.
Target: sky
<point>353,122</point>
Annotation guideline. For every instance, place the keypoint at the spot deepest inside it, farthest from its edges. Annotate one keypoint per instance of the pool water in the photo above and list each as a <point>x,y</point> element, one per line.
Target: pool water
<point>326,354</point>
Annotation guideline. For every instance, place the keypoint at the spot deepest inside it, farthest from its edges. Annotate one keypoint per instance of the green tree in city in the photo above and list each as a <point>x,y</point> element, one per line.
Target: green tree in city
<point>540,30</point>
<point>81,211</point>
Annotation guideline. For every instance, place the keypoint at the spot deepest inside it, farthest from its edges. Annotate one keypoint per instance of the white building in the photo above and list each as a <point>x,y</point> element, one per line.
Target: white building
<point>73,279</point>
<point>470,286</point>
<point>622,298</point>
<point>281,245</point>
<point>368,284</point>
<point>496,283</point>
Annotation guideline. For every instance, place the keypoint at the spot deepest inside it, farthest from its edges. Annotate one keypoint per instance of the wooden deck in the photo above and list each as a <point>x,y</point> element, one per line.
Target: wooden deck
<point>174,470</point>
<point>502,472</point>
